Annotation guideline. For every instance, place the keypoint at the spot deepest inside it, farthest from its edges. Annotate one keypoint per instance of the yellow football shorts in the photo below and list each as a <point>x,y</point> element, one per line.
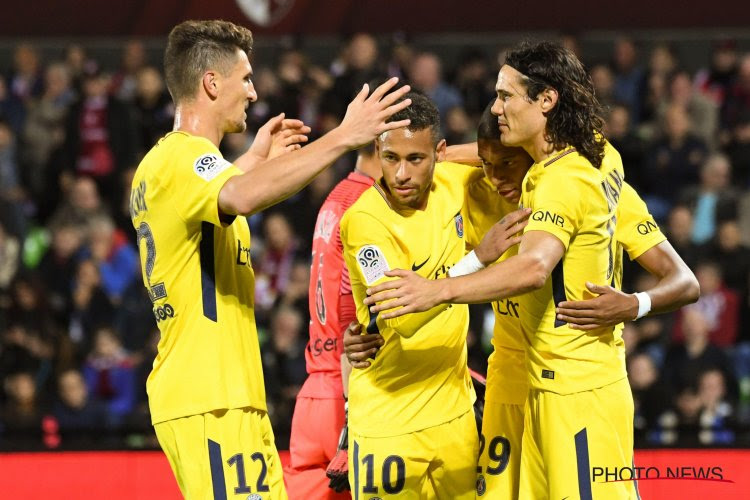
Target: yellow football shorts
<point>499,464</point>
<point>567,437</point>
<point>223,454</point>
<point>438,462</point>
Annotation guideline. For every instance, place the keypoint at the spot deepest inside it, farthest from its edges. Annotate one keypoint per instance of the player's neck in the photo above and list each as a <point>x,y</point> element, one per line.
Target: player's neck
<point>540,148</point>
<point>189,118</point>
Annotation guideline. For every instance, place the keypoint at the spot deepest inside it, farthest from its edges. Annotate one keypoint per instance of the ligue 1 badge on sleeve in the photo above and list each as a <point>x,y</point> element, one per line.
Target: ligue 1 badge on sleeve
<point>459,220</point>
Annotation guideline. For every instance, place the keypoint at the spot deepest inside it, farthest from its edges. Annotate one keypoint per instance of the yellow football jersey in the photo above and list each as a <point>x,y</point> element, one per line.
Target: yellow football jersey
<point>196,267</point>
<point>576,203</point>
<point>636,230</point>
<point>419,377</point>
<point>506,371</point>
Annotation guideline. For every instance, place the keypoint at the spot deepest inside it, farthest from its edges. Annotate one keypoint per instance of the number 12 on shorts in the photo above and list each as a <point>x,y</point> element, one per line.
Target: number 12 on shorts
<point>236,461</point>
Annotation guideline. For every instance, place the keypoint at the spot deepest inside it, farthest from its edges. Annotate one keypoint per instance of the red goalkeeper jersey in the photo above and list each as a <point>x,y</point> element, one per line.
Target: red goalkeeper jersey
<point>330,295</point>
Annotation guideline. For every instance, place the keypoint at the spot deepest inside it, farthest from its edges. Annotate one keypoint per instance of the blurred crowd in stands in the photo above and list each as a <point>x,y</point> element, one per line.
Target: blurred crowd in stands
<point>77,330</point>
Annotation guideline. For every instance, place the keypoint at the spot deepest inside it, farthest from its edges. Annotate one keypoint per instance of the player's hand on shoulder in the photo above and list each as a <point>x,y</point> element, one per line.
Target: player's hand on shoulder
<point>409,294</point>
<point>277,136</point>
<point>502,236</point>
<point>360,348</point>
<point>366,115</point>
<point>609,307</point>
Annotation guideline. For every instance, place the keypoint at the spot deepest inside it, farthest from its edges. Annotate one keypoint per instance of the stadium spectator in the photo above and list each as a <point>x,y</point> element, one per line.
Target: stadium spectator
<point>31,324</point>
<point>685,361</point>
<point>117,260</point>
<point>632,148</point>
<point>12,108</point>
<point>26,79</point>
<point>734,259</point>
<point>718,305</point>
<point>74,410</point>
<point>100,136</point>
<point>426,75</point>
<point>274,265</point>
<point>91,306</point>
<point>81,203</point>
<point>680,233</point>
<point>58,265</point>
<point>703,113</point>
<point>360,65</point>
<point>284,367</point>
<point>650,396</point>
<point>716,410</point>
<point>714,200</point>
<point>12,195</point>
<point>21,415</point>
<point>735,123</point>
<point>154,111</point>
<point>76,59</point>
<point>604,84</point>
<point>44,131</point>
<point>716,80</point>
<point>474,81</point>
<point>673,162</point>
<point>124,84</point>
<point>629,76</point>
<point>9,258</point>
<point>110,376</point>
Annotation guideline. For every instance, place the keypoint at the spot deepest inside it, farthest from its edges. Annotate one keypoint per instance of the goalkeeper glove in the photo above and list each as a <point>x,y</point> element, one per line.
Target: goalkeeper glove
<point>338,469</point>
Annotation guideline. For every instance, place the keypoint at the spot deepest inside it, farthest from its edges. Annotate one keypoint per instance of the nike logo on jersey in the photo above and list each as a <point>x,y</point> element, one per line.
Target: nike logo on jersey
<point>415,267</point>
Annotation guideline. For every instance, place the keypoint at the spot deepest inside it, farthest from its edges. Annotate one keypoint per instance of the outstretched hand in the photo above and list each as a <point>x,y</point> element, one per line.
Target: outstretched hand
<point>409,294</point>
<point>366,115</point>
<point>277,136</point>
<point>610,307</point>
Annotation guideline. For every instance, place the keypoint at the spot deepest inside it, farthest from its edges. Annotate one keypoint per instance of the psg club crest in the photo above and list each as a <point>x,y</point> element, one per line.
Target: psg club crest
<point>265,12</point>
<point>459,220</point>
<point>481,486</point>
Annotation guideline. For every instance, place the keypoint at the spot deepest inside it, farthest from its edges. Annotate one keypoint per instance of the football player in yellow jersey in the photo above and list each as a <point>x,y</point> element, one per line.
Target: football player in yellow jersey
<point>412,432</point>
<point>493,196</point>
<point>206,388</point>
<point>579,409</point>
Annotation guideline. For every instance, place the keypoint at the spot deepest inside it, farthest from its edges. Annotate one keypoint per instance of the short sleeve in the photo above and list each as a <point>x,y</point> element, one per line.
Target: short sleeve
<point>636,229</point>
<point>556,209</point>
<point>369,249</point>
<point>198,176</point>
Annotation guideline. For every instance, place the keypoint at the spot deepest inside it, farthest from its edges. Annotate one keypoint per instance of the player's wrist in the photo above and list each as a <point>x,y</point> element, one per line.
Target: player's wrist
<point>470,263</point>
<point>445,290</point>
<point>644,304</point>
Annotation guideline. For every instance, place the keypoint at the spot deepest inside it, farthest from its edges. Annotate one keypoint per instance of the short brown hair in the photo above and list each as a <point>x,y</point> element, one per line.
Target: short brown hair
<point>194,47</point>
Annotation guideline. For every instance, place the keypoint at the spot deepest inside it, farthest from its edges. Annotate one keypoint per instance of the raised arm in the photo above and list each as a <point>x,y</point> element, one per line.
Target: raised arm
<point>466,154</point>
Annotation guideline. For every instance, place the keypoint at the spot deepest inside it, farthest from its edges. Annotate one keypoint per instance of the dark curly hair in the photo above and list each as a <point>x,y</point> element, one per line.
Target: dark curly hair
<point>487,130</point>
<point>194,47</point>
<point>423,114</point>
<point>576,120</point>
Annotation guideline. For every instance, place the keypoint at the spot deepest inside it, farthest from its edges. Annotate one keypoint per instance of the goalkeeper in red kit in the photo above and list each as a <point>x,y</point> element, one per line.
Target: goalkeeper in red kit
<point>319,414</point>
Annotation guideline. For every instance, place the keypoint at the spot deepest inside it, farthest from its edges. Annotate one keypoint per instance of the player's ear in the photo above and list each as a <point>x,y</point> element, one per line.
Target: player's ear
<point>440,150</point>
<point>548,99</point>
<point>210,83</point>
